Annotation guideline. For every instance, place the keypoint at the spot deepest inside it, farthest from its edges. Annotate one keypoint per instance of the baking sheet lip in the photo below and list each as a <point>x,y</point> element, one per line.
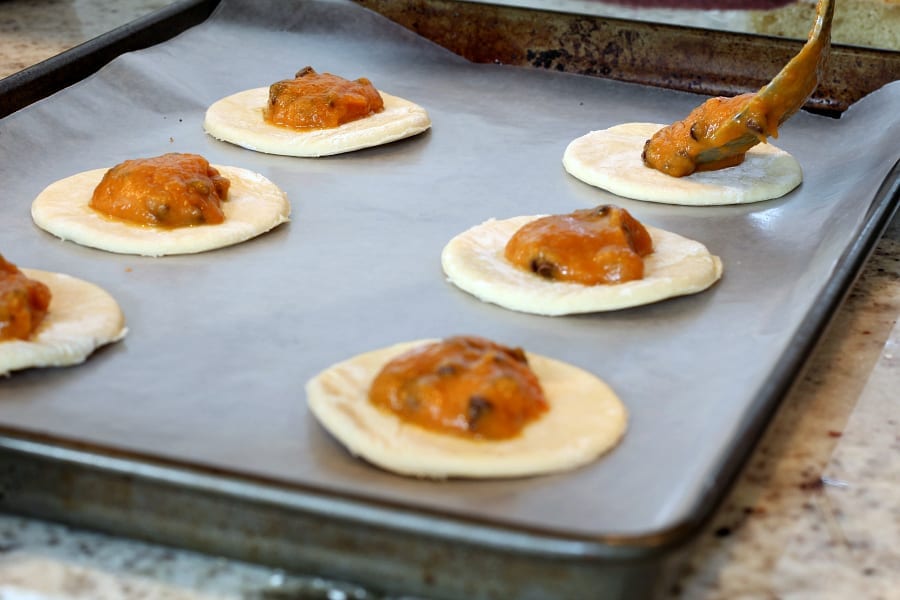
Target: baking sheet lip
<point>884,205</point>
<point>677,531</point>
<point>366,511</point>
<point>470,531</point>
<point>42,80</point>
<point>790,43</point>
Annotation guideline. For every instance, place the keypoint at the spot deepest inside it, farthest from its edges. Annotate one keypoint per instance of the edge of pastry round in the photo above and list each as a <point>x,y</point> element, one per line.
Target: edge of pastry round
<point>254,206</point>
<point>237,119</point>
<point>474,261</point>
<point>82,317</point>
<point>611,159</point>
<point>585,420</point>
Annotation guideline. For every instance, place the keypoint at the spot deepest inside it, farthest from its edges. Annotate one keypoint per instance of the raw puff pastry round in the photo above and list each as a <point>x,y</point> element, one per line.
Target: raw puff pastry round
<point>585,420</point>
<point>254,206</point>
<point>238,119</point>
<point>474,262</point>
<point>81,318</point>
<point>611,159</point>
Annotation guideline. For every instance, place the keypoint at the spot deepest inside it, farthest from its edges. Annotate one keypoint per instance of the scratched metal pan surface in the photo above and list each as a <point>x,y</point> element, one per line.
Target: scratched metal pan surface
<point>221,344</point>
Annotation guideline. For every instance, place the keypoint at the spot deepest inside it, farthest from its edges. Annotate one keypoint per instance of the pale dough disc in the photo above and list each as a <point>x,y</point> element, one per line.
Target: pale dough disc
<point>585,420</point>
<point>474,262</point>
<point>238,119</point>
<point>81,318</point>
<point>254,206</point>
<point>611,159</point>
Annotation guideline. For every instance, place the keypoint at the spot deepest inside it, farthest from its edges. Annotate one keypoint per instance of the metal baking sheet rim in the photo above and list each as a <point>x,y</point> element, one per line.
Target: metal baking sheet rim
<point>362,510</point>
<point>353,510</point>
<point>375,514</point>
<point>343,508</point>
<point>323,503</point>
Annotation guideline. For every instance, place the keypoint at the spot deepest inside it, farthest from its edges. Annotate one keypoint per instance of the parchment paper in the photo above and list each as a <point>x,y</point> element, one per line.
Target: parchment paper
<point>222,343</point>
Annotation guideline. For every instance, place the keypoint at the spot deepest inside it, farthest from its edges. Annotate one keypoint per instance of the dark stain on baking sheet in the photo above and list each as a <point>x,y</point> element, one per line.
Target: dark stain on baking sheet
<point>660,55</point>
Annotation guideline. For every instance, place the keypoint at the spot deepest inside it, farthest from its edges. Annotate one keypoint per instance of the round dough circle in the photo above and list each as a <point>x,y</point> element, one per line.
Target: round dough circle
<point>474,262</point>
<point>238,119</point>
<point>611,159</point>
<point>254,206</point>
<point>81,318</point>
<point>585,420</point>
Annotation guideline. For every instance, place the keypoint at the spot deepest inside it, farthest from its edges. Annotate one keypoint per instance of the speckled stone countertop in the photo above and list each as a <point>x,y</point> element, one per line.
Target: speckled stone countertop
<point>815,513</point>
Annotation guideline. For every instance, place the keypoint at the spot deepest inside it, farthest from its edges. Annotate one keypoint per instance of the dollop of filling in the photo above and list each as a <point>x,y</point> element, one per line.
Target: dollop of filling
<point>596,246</point>
<point>172,190</point>
<point>718,133</point>
<point>23,303</point>
<point>675,150</point>
<point>320,100</point>
<point>464,386</point>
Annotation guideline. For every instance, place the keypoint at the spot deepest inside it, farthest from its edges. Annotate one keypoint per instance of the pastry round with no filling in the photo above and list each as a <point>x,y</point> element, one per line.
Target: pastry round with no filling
<point>611,159</point>
<point>253,205</point>
<point>290,125</point>
<point>583,419</point>
<point>80,318</point>
<point>476,262</point>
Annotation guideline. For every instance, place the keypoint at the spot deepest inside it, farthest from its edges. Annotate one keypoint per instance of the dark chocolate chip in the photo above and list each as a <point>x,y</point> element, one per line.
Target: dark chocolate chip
<point>447,369</point>
<point>478,407</point>
<point>544,268</point>
<point>519,355</point>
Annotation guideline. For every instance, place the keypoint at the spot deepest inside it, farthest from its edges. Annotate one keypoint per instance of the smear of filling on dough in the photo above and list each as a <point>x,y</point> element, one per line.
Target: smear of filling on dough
<point>172,190</point>
<point>464,386</point>
<point>320,100</point>
<point>718,133</point>
<point>23,303</point>
<point>673,150</point>
<point>596,246</point>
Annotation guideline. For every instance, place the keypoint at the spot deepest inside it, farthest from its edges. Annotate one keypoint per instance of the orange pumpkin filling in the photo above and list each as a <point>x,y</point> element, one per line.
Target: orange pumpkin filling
<point>674,150</point>
<point>465,386</point>
<point>318,101</point>
<point>734,125</point>
<point>602,245</point>
<point>23,303</point>
<point>172,190</point>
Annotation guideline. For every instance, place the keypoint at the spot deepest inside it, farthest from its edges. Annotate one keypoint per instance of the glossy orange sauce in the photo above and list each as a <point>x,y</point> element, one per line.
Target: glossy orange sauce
<point>595,246</point>
<point>172,190</point>
<point>320,100</point>
<point>23,303</point>
<point>736,124</point>
<point>464,386</point>
<point>673,150</point>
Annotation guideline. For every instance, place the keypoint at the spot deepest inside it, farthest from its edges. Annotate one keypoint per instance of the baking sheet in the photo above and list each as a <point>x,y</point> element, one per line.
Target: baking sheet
<point>222,343</point>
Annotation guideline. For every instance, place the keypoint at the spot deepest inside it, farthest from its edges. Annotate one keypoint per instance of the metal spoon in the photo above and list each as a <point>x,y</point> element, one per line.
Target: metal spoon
<point>710,138</point>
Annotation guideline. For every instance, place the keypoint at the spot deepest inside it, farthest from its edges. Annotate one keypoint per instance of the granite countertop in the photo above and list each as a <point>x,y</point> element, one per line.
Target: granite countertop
<point>814,514</point>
